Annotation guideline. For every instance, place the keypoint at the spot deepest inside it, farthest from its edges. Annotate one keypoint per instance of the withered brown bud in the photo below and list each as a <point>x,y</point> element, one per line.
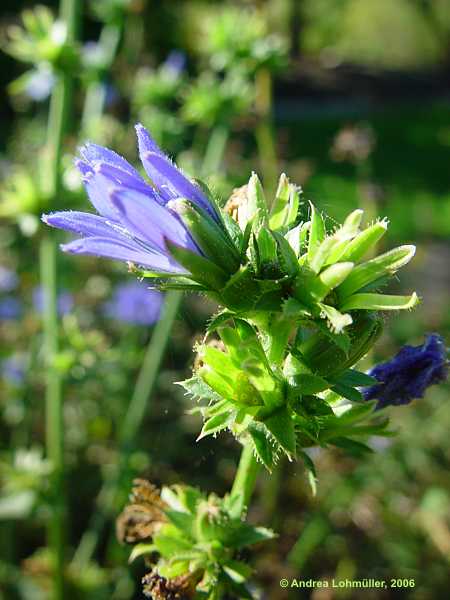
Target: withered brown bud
<point>178,588</point>
<point>237,199</point>
<point>143,516</point>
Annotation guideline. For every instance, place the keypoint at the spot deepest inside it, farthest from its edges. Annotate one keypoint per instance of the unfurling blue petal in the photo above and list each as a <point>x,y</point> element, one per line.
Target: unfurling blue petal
<point>169,180</point>
<point>128,252</point>
<point>82,223</point>
<point>407,376</point>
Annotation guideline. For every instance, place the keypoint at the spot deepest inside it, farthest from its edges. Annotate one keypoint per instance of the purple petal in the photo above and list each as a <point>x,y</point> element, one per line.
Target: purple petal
<point>149,221</point>
<point>123,179</point>
<point>82,223</point>
<point>93,154</point>
<point>171,182</point>
<point>98,187</point>
<point>145,141</point>
<point>109,248</point>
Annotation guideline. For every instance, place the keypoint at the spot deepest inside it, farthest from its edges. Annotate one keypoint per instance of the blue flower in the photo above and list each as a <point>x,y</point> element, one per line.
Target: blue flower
<point>408,375</point>
<point>134,303</point>
<point>136,220</point>
<point>64,301</point>
<point>10,308</point>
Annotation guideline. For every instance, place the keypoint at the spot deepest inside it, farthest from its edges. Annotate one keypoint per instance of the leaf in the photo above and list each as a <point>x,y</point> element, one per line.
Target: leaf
<point>198,388</point>
<point>355,378</point>
<point>348,392</point>
<point>241,291</point>
<point>316,233</point>
<point>384,264</point>
<point>203,270</point>
<point>262,446</point>
<point>311,469</point>
<point>293,308</point>
<point>237,570</point>
<point>286,255</point>
<point>353,447</point>
<point>169,546</point>
<point>182,520</point>
<point>215,424</point>
<point>308,383</point>
<point>281,426</point>
<point>247,535</point>
<point>217,320</point>
<point>380,302</point>
<point>357,248</point>
<point>141,549</point>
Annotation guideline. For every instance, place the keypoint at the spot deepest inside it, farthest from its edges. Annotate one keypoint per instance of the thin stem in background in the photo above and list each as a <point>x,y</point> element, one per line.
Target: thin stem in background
<point>264,131</point>
<point>96,92</point>
<point>134,417</point>
<point>57,124</point>
<point>215,150</point>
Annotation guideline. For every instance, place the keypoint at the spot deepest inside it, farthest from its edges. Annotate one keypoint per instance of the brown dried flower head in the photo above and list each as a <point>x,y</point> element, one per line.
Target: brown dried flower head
<point>178,588</point>
<point>143,516</point>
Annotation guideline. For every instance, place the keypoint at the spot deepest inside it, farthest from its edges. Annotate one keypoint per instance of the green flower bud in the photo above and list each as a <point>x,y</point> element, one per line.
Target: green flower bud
<point>325,358</point>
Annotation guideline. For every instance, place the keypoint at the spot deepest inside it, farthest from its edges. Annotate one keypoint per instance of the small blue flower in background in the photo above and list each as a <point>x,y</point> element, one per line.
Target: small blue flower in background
<point>8,280</point>
<point>134,303</point>
<point>10,308</point>
<point>64,301</point>
<point>135,219</point>
<point>13,369</point>
<point>408,375</point>
<point>175,62</point>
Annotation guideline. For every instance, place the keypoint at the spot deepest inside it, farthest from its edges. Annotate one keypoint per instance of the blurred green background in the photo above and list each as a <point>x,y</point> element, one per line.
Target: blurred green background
<point>351,98</point>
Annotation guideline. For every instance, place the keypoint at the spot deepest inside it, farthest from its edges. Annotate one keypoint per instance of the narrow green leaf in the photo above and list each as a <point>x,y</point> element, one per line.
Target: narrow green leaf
<point>348,392</point>
<point>286,255</point>
<point>355,249</point>
<point>262,446</point>
<point>380,302</point>
<point>316,232</point>
<point>215,424</point>
<point>281,426</point>
<point>355,378</point>
<point>385,264</point>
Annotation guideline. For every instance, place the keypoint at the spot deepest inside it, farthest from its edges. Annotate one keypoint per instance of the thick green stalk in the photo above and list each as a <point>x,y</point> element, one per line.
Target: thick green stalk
<point>245,479</point>
<point>57,120</point>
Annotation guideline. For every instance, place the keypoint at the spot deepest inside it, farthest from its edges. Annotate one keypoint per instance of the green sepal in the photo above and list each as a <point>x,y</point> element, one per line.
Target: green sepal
<point>281,426</point>
<point>202,270</point>
<point>348,392</point>
<point>384,264</point>
<point>261,444</point>
<point>286,255</point>
<point>380,302</point>
<point>316,232</point>
<point>355,249</point>
<point>353,378</point>
<point>215,424</point>
<point>241,291</point>
<point>213,240</point>
<point>285,207</point>
<point>199,389</point>
<point>257,205</point>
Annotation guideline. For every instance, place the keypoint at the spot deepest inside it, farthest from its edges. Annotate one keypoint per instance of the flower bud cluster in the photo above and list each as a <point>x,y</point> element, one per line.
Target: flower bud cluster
<point>189,539</point>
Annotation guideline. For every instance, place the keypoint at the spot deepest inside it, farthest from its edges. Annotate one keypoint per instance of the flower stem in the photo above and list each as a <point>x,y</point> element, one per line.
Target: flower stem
<point>215,150</point>
<point>133,419</point>
<point>57,122</point>
<point>54,417</point>
<point>245,478</point>
<point>264,130</point>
